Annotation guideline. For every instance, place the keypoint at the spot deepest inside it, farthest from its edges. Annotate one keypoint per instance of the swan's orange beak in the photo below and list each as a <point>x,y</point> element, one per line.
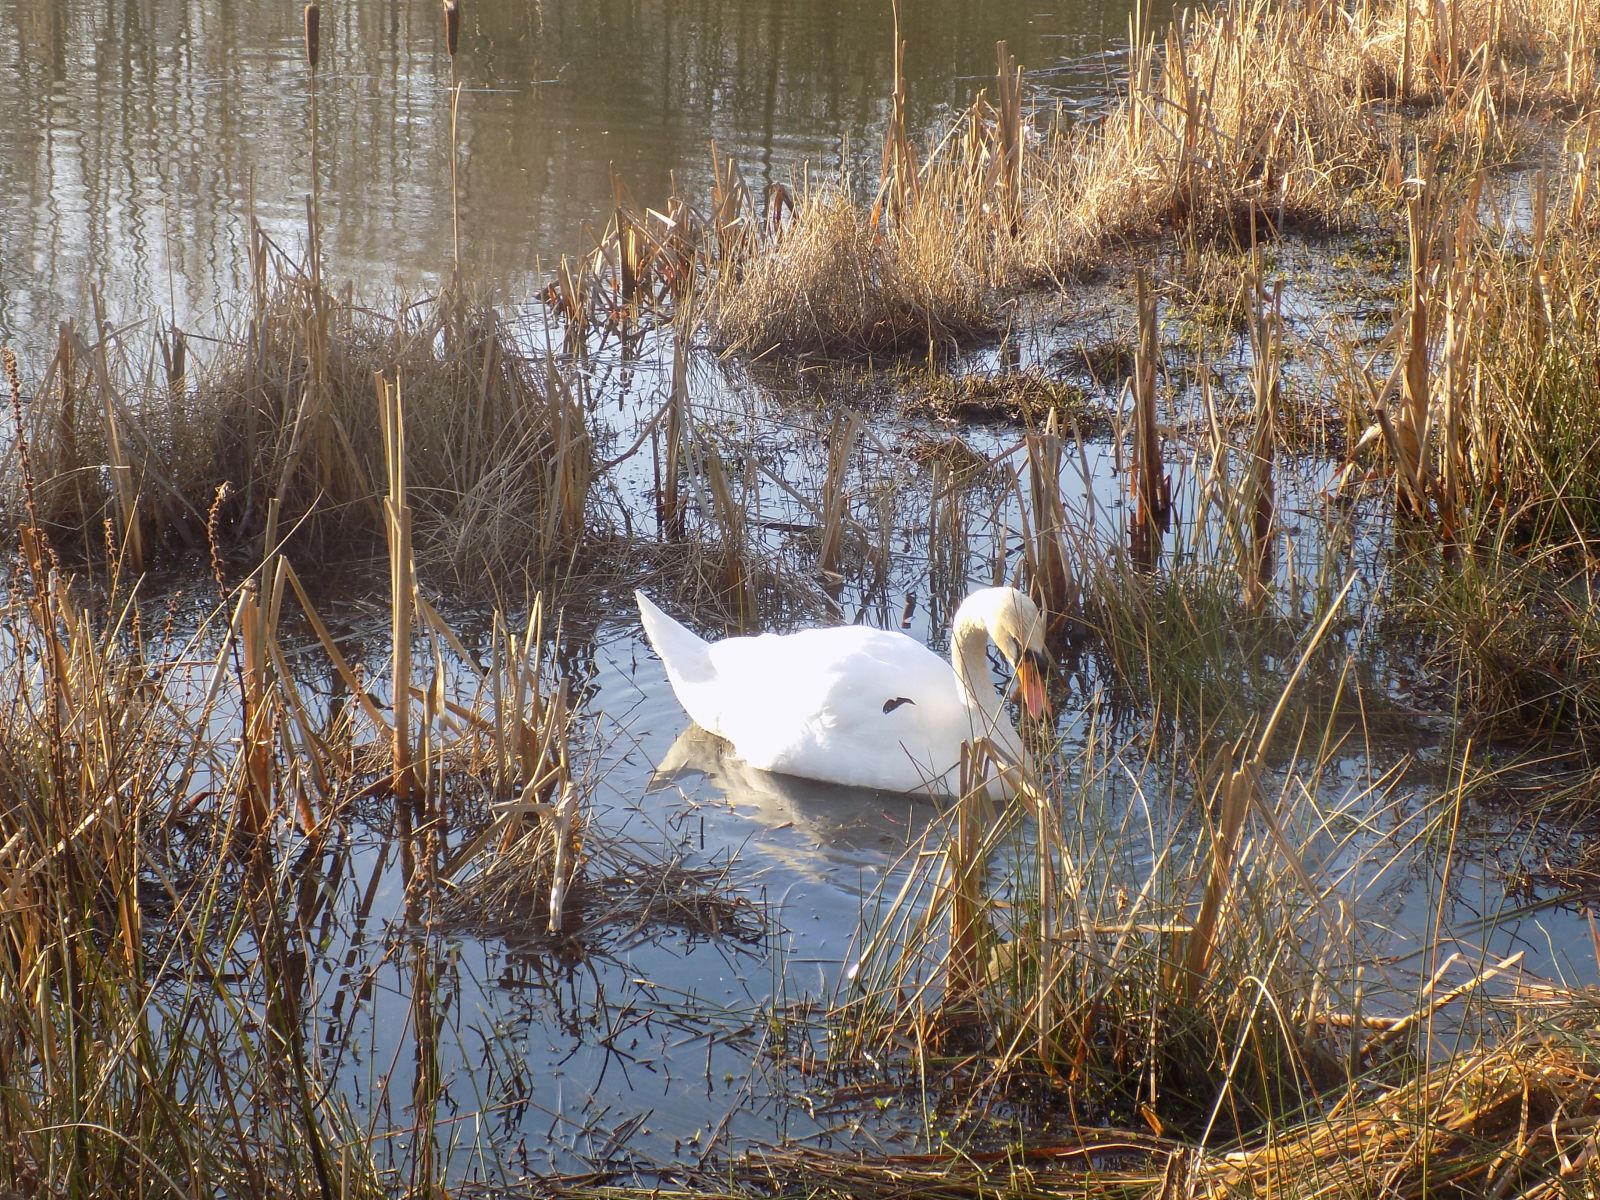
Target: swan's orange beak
<point>1030,683</point>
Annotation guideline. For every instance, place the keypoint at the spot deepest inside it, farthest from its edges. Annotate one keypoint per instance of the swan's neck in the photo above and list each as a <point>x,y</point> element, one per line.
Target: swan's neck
<point>969,646</point>
<point>969,643</point>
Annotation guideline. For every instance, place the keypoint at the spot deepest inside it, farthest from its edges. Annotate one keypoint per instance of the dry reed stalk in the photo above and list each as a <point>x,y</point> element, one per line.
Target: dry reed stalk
<point>1232,804</point>
<point>1046,558</point>
<point>948,550</point>
<point>834,502</point>
<point>1149,484</point>
<point>966,866</point>
<point>1411,426</point>
<point>1008,138</point>
<point>670,503</point>
<point>569,471</point>
<point>736,586</point>
<point>452,24</point>
<point>1460,417</point>
<point>572,298</point>
<point>898,177</point>
<point>120,467</point>
<point>627,235</point>
<point>402,586</point>
<point>731,226</point>
<point>258,731</point>
<point>1260,491</point>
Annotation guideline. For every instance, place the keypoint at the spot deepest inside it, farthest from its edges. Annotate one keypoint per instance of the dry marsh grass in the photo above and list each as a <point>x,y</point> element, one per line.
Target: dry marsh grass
<point>1241,119</point>
<point>166,805</point>
<point>282,413</point>
<point>1513,1121</point>
<point>829,280</point>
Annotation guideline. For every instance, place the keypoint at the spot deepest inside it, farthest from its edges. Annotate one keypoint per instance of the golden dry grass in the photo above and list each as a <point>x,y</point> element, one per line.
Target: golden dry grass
<point>830,280</point>
<point>1242,119</point>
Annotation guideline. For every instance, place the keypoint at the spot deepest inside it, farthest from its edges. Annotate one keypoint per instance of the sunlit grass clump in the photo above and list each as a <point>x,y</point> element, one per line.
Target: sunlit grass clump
<point>828,279</point>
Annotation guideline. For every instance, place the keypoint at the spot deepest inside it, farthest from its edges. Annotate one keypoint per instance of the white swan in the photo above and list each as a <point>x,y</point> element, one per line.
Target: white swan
<point>859,706</point>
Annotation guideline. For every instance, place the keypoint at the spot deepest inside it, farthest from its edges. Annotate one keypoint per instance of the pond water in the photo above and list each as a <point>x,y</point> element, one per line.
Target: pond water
<point>137,139</point>
<point>661,1046</point>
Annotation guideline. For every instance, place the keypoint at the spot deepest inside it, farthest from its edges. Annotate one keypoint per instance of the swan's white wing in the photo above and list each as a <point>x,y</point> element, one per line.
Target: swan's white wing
<point>868,707</point>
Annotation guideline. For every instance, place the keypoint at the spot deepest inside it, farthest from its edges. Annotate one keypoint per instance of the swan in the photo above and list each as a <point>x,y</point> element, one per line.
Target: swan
<point>860,706</point>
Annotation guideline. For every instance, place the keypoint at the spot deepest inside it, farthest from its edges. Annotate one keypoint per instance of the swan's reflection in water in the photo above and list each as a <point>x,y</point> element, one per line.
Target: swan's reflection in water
<point>813,827</point>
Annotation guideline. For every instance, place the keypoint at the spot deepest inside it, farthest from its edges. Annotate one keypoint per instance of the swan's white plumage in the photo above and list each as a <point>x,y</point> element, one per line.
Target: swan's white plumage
<point>814,703</point>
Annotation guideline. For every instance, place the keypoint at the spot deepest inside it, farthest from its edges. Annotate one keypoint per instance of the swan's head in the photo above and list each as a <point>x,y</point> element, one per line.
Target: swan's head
<point>1014,624</point>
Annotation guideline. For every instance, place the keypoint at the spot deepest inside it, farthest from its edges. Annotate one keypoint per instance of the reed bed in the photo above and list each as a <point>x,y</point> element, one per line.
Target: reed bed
<point>168,807</point>
<point>281,415</point>
<point>1478,413</point>
<point>1238,121</point>
<point>1518,1120</point>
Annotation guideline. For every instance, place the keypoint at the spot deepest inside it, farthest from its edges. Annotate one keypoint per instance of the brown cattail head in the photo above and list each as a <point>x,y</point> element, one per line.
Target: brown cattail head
<point>452,25</point>
<point>313,33</point>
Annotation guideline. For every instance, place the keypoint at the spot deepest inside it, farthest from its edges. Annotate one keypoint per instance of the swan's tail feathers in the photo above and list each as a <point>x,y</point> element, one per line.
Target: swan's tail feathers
<point>687,656</point>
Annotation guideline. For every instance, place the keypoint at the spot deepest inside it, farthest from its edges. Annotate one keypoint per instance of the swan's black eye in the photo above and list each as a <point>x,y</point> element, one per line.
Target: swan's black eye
<point>890,705</point>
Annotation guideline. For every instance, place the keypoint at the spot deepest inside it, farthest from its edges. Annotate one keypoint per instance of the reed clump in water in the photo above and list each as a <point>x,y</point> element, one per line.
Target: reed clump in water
<point>283,413</point>
<point>1181,977</point>
<point>1028,396</point>
<point>1486,429</point>
<point>828,281</point>
<point>132,870</point>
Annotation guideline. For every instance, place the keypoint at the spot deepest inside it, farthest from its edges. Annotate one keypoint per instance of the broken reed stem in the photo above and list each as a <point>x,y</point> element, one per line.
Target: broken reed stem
<point>898,180</point>
<point>670,502</point>
<point>118,465</point>
<point>1045,551</point>
<point>1008,137</point>
<point>1265,335</point>
<point>1412,427</point>
<point>1235,787</point>
<point>965,882</point>
<point>257,729</point>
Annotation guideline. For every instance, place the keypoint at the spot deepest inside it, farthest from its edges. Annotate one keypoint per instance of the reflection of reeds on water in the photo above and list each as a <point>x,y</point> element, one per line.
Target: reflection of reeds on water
<point>1148,482</point>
